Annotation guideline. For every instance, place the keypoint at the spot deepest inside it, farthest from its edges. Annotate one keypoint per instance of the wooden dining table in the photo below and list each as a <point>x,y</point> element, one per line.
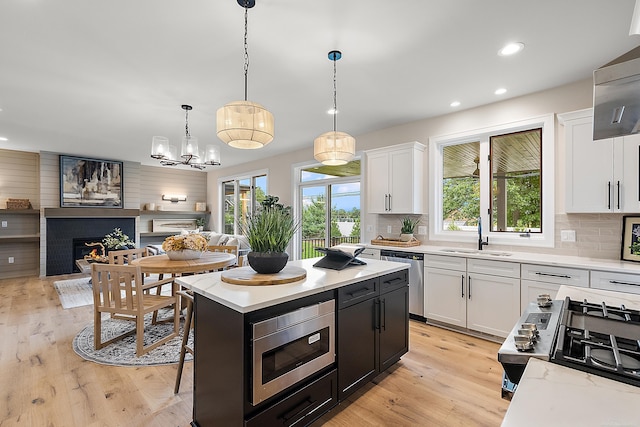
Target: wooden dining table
<point>161,264</point>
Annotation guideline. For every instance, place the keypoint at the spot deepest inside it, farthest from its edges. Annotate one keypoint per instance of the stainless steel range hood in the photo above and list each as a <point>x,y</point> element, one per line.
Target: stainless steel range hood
<point>616,97</point>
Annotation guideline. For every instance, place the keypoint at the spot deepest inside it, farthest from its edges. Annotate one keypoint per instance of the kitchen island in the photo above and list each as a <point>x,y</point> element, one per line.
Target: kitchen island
<point>553,395</point>
<point>358,328</point>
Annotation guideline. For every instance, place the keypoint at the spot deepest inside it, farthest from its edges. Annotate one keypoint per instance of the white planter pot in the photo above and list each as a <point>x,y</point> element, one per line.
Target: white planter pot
<point>184,255</point>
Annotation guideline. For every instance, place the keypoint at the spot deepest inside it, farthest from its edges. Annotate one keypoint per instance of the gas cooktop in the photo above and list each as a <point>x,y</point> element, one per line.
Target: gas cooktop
<point>599,339</point>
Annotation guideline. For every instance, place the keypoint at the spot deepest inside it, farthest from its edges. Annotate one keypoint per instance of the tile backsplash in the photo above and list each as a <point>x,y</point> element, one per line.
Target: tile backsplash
<point>597,235</point>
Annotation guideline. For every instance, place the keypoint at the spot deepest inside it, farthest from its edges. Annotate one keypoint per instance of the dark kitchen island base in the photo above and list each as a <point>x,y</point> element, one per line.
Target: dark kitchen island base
<point>371,314</point>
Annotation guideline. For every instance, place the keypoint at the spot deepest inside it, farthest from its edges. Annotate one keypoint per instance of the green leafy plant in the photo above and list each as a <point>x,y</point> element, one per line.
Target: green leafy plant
<point>118,240</point>
<point>200,222</point>
<point>271,228</point>
<point>408,225</point>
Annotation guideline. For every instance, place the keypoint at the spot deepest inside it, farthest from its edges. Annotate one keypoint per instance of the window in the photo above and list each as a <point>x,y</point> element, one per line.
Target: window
<point>329,205</point>
<point>494,175</point>
<point>241,196</point>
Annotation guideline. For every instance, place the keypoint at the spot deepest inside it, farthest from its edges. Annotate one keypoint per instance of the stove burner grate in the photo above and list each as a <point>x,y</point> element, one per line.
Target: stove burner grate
<point>606,359</point>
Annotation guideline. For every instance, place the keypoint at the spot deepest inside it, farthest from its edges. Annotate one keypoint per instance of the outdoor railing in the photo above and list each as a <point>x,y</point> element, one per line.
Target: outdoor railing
<point>309,244</point>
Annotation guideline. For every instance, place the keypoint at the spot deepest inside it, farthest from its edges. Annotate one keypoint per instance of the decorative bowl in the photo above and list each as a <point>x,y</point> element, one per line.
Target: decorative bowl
<point>184,254</point>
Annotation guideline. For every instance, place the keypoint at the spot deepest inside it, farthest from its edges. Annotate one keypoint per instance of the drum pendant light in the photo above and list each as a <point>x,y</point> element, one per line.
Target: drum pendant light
<point>334,148</point>
<point>245,124</point>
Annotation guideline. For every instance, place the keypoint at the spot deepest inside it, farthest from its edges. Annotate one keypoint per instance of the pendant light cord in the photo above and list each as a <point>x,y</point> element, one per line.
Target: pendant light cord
<point>335,97</point>
<point>186,124</point>
<point>246,51</point>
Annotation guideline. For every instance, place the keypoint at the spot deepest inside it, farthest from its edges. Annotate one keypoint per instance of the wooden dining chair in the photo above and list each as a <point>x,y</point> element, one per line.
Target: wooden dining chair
<point>187,296</point>
<point>228,249</point>
<point>125,256</point>
<point>119,290</point>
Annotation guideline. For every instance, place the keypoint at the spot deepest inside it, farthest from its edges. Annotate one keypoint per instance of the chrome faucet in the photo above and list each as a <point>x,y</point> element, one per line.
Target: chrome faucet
<point>481,243</point>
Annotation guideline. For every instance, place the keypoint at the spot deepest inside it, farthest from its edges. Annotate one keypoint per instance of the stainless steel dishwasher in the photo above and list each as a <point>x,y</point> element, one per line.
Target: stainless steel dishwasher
<point>416,278</point>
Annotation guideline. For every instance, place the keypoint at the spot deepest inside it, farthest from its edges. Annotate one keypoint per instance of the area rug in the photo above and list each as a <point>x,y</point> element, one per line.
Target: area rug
<point>123,352</point>
<point>74,292</point>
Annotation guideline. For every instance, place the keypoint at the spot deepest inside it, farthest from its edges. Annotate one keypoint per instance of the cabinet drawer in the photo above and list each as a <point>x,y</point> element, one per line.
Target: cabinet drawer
<point>304,406</point>
<point>445,262</point>
<point>557,275</point>
<point>353,294</point>
<point>392,281</point>
<point>494,268</point>
<point>621,282</point>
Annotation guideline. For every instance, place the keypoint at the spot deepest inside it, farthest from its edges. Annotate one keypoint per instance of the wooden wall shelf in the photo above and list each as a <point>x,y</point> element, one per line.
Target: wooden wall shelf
<point>21,239</point>
<point>171,213</point>
<point>19,212</point>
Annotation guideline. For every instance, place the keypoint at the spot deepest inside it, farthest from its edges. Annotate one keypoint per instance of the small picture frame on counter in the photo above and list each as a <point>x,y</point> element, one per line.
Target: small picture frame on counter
<point>630,238</point>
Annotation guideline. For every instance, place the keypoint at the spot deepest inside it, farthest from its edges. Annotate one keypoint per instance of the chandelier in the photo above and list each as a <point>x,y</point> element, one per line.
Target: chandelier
<point>334,148</point>
<point>245,124</point>
<point>190,153</point>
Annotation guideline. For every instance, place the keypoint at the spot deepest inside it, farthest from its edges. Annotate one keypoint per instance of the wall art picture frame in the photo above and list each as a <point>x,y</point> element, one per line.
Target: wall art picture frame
<point>86,182</point>
<point>630,238</point>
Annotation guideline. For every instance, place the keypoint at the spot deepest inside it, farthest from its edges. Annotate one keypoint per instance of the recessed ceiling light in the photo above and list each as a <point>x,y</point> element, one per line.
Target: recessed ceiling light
<point>511,48</point>
<point>2,138</point>
<point>455,104</point>
<point>500,91</point>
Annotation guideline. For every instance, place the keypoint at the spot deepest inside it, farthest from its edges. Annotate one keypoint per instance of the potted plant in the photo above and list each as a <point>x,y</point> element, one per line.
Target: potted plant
<point>200,223</point>
<point>117,240</point>
<point>269,232</point>
<point>408,226</point>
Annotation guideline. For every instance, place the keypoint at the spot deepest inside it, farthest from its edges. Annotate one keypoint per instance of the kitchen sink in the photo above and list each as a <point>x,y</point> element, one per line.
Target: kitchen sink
<point>475,252</point>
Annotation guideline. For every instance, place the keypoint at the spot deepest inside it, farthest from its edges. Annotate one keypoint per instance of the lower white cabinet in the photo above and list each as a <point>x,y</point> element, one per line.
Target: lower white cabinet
<point>545,279</point>
<point>619,282</point>
<point>459,292</point>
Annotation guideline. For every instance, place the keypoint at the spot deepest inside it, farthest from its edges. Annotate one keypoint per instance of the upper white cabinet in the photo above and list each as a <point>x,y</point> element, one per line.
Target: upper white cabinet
<point>601,176</point>
<point>395,179</point>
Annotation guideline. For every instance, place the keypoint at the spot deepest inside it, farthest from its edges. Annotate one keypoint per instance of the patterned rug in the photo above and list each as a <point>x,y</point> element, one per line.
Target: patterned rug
<point>123,352</point>
<point>74,292</point>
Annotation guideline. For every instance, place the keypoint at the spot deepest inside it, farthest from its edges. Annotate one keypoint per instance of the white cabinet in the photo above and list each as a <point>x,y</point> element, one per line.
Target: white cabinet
<point>493,300</point>
<point>602,175</point>
<point>619,282</point>
<point>445,289</point>
<point>395,179</point>
<point>545,279</point>
<point>481,295</point>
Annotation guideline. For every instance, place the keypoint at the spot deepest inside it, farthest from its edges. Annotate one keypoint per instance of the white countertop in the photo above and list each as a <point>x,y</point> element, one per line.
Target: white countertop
<point>617,266</point>
<point>245,299</point>
<point>554,395</point>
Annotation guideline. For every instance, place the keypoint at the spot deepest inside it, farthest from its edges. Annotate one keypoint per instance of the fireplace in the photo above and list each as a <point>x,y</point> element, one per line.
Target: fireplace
<point>66,238</point>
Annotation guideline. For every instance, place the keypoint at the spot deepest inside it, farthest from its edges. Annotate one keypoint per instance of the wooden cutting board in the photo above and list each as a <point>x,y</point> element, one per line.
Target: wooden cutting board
<point>248,277</point>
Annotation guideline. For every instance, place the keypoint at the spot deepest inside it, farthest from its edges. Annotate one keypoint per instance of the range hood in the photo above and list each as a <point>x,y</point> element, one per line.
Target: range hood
<point>616,97</point>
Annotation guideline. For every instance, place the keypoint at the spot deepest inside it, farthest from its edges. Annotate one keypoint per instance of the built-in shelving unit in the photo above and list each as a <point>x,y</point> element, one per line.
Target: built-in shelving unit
<point>19,242</point>
<point>150,237</point>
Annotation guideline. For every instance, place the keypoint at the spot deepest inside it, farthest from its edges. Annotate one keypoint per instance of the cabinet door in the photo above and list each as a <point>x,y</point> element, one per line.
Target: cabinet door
<point>401,180</point>
<point>627,172</point>
<point>357,346</point>
<point>589,171</point>
<point>445,296</point>
<point>394,326</point>
<point>530,290</point>
<point>493,303</point>
<point>378,182</point>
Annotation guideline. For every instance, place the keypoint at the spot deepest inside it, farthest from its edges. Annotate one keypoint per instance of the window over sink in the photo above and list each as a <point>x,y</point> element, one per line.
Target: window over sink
<point>501,175</point>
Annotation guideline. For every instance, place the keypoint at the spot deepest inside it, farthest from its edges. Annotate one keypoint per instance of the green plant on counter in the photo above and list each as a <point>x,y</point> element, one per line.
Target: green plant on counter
<point>408,225</point>
<point>271,228</point>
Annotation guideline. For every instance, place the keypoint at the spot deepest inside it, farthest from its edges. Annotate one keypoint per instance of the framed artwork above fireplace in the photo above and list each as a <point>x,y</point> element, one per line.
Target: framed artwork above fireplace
<point>92,183</point>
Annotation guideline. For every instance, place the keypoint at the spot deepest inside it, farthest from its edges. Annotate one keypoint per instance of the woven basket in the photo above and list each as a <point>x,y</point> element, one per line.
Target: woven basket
<point>18,204</point>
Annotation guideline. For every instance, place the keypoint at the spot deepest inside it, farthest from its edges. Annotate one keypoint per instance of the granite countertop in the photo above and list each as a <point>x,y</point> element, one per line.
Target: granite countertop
<point>617,266</point>
<point>245,299</point>
<point>553,395</point>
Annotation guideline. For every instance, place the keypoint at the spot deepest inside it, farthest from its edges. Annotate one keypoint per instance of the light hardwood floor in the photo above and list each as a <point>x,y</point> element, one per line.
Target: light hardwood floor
<point>447,379</point>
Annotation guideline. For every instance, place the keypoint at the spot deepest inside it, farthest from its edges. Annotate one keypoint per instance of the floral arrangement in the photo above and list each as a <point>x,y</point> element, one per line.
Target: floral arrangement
<point>193,241</point>
<point>118,240</point>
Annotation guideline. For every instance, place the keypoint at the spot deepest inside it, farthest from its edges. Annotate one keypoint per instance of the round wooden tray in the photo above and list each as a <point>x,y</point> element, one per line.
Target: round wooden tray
<point>248,277</point>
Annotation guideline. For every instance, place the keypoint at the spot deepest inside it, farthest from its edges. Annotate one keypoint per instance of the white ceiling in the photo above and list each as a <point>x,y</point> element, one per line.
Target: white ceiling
<point>100,78</point>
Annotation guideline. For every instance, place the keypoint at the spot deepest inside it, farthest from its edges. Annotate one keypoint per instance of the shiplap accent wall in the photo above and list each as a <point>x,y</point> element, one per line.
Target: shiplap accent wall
<point>157,181</point>
<point>19,180</point>
<point>19,177</point>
